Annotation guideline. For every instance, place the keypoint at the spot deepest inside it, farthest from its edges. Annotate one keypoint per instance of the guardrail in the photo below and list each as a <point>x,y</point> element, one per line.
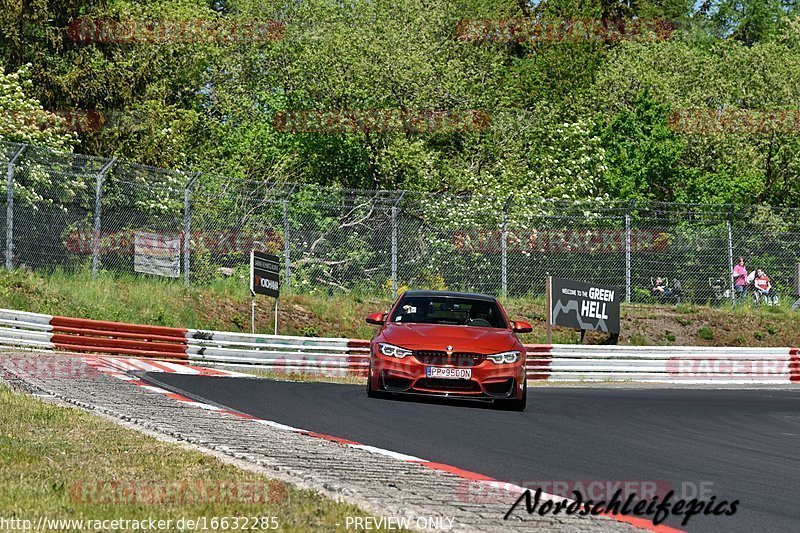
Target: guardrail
<point>664,364</point>
<point>330,356</point>
<point>342,357</point>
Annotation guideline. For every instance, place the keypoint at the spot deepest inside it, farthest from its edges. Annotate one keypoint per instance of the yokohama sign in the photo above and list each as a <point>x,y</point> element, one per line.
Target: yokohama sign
<point>560,241</point>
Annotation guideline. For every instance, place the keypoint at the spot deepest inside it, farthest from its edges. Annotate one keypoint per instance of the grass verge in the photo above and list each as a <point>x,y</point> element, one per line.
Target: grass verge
<point>225,305</point>
<point>65,463</point>
<point>302,378</point>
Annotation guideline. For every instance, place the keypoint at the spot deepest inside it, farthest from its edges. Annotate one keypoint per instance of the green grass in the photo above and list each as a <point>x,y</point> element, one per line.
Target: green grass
<point>223,304</point>
<point>52,459</point>
<point>303,378</point>
<point>121,298</point>
<point>705,333</point>
<point>685,308</point>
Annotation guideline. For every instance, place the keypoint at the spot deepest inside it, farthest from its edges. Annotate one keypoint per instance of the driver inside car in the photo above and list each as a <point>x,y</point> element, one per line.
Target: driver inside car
<point>413,311</point>
<point>480,315</point>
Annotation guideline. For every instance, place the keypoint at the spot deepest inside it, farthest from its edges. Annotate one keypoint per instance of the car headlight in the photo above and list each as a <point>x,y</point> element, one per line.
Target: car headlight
<point>390,350</point>
<point>504,358</point>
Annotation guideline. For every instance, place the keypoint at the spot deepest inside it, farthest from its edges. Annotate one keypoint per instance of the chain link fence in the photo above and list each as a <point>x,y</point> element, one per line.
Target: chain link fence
<point>75,212</point>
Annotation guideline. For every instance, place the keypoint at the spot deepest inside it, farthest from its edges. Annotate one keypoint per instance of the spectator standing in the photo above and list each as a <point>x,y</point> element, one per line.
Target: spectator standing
<point>740,279</point>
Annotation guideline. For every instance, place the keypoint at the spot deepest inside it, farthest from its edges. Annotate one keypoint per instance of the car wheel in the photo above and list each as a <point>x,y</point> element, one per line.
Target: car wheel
<point>371,393</point>
<point>515,404</point>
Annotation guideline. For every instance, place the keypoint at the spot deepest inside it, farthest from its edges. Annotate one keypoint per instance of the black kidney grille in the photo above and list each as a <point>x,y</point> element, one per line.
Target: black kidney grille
<point>440,358</point>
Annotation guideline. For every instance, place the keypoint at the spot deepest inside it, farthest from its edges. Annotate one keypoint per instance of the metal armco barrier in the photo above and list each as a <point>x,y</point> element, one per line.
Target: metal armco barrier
<point>349,357</point>
<point>329,356</point>
<point>664,364</point>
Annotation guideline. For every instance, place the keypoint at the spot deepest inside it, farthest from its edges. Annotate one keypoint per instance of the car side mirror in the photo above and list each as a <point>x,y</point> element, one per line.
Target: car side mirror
<point>519,326</point>
<point>376,318</point>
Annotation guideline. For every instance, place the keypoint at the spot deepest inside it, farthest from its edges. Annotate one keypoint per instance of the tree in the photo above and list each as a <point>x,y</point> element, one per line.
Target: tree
<point>360,57</point>
<point>22,118</point>
<point>749,21</point>
<point>752,165</point>
<point>148,93</point>
<point>642,153</point>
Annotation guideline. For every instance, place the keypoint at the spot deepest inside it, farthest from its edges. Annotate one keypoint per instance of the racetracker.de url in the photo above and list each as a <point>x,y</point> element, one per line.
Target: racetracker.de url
<point>201,523</point>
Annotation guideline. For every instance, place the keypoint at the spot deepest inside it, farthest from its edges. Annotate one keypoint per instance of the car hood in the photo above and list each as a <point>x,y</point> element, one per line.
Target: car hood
<point>438,337</point>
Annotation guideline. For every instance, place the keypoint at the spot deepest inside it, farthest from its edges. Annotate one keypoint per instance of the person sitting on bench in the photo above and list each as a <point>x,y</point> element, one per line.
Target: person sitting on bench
<point>660,288</point>
<point>763,287</point>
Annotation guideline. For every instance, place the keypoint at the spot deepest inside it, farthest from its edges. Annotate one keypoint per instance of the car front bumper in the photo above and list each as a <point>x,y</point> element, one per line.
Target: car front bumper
<point>408,376</point>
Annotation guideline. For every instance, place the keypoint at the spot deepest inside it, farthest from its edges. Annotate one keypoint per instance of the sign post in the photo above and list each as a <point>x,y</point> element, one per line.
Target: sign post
<point>548,296</point>
<point>583,306</point>
<point>264,279</point>
<point>796,304</point>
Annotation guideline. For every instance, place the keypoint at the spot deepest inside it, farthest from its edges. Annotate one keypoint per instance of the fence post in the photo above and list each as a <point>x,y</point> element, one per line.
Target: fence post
<point>394,244</point>
<point>10,208</point>
<point>504,248</point>
<point>286,248</point>
<point>730,255</point>
<point>187,227</point>
<point>628,254</point>
<point>98,203</point>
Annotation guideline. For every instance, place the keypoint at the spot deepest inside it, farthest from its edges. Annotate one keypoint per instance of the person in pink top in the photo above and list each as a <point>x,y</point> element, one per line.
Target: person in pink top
<point>740,279</point>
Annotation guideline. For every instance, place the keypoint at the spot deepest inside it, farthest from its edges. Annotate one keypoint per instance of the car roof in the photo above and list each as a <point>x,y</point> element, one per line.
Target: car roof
<point>451,294</point>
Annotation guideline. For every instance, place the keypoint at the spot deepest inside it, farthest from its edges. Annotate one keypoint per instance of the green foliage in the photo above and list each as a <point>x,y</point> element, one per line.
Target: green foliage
<point>749,21</point>
<point>22,118</point>
<point>148,93</point>
<point>642,82</point>
<point>643,153</point>
<point>570,118</point>
<point>705,333</point>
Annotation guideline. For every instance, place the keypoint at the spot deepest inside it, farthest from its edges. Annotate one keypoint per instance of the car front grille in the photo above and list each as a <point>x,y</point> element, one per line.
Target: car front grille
<point>433,357</point>
<point>460,385</point>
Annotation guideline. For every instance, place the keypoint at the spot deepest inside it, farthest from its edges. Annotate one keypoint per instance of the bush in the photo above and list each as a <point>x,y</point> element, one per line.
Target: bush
<point>705,333</point>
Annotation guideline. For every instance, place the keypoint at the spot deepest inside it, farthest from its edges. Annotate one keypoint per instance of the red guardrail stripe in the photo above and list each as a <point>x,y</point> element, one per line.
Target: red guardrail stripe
<point>121,351</point>
<point>538,361</point>
<point>81,340</point>
<point>103,325</point>
<point>120,334</point>
<point>357,343</point>
<point>538,348</point>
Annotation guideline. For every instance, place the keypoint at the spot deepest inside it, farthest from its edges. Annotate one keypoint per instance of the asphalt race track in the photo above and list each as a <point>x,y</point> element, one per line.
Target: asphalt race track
<point>734,444</point>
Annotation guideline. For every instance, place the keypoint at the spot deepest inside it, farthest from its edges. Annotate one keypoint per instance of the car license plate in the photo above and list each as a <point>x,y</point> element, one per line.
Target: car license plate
<point>448,373</point>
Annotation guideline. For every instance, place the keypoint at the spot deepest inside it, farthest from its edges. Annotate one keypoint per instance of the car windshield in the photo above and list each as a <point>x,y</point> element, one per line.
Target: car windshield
<point>448,311</point>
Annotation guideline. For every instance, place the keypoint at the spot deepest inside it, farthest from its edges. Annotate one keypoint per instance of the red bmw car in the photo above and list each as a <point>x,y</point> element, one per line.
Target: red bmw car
<point>448,344</point>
